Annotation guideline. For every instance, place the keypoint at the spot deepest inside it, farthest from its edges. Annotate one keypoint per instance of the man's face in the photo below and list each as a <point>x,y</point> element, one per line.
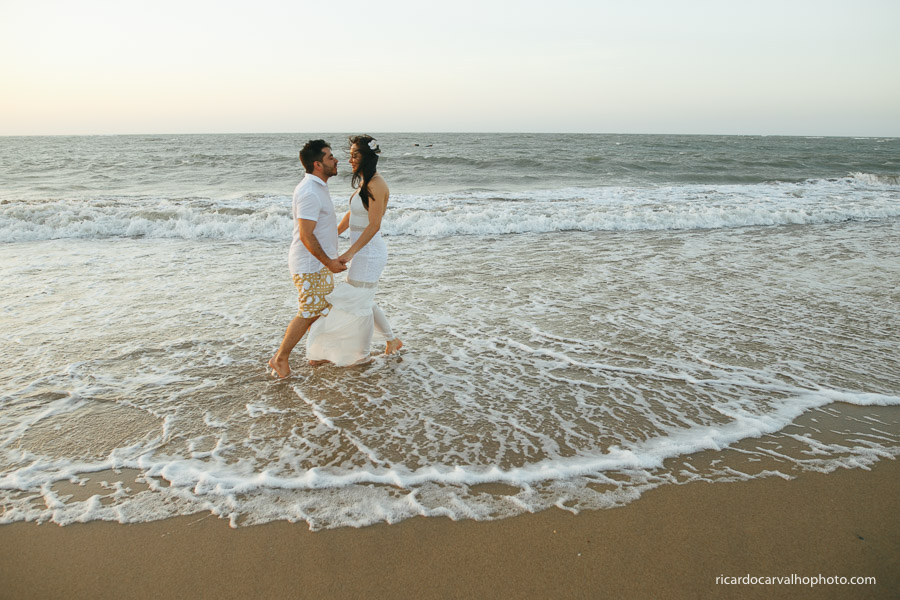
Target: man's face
<point>329,163</point>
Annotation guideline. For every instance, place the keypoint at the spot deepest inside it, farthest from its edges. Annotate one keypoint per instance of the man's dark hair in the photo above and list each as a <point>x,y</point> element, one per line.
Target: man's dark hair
<point>313,151</point>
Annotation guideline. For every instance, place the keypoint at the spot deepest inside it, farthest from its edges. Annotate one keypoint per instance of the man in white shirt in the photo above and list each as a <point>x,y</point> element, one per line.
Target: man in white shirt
<point>313,254</point>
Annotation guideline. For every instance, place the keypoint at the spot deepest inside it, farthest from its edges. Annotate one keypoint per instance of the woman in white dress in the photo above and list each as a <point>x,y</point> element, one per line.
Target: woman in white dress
<point>345,335</point>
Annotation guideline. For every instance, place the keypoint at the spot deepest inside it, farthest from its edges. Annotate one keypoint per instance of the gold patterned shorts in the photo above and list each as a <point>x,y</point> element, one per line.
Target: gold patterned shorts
<point>313,287</point>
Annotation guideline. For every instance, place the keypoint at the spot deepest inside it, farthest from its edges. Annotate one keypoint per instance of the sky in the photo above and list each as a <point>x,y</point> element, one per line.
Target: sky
<point>783,67</point>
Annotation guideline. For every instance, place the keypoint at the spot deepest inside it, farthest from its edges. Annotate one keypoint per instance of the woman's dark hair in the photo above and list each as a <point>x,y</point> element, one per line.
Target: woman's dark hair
<point>368,161</point>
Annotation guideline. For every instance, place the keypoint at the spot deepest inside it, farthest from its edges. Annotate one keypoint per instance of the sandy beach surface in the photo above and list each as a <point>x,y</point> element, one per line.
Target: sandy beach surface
<point>673,542</point>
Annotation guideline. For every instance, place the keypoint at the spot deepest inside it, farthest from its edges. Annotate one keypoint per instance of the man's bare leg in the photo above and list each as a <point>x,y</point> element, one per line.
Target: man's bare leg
<point>295,330</point>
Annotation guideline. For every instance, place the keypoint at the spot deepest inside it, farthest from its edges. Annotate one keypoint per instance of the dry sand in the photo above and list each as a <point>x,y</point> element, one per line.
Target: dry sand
<point>671,543</point>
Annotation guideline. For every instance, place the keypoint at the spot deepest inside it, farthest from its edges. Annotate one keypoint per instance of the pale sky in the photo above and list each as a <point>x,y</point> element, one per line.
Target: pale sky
<point>790,67</point>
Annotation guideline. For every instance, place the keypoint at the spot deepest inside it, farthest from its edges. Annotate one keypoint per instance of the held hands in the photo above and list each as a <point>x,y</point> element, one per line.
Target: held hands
<point>336,265</point>
<point>346,257</point>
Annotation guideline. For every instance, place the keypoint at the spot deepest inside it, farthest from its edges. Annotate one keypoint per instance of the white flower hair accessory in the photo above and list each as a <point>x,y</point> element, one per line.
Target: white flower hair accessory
<point>373,145</point>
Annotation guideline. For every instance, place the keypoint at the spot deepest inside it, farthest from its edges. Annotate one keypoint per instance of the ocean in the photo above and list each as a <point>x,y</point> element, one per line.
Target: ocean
<point>585,317</point>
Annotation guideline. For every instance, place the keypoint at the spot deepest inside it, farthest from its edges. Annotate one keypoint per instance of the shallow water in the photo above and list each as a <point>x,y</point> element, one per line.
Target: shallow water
<point>571,369</point>
<point>585,317</point>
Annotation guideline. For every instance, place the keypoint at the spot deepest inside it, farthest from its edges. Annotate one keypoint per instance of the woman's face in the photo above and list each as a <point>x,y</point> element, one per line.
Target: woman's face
<point>354,157</point>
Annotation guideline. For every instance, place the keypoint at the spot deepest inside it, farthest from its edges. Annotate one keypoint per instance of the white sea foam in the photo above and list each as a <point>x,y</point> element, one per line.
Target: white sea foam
<point>345,496</point>
<point>877,180</point>
<point>860,197</point>
<point>664,359</point>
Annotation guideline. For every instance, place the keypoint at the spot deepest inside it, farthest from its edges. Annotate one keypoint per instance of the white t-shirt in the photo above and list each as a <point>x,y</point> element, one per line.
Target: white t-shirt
<point>312,202</point>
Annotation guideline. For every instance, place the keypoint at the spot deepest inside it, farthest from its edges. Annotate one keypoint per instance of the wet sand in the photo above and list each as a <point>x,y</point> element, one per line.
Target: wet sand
<point>673,542</point>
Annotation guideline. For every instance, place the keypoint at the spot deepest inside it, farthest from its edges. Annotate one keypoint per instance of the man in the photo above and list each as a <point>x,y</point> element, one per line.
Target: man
<point>312,257</point>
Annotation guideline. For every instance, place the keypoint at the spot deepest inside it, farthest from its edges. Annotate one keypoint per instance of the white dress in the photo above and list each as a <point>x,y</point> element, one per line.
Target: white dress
<point>345,336</point>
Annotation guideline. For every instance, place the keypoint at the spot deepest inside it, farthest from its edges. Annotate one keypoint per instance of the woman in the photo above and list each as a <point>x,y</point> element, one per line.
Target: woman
<point>345,336</point>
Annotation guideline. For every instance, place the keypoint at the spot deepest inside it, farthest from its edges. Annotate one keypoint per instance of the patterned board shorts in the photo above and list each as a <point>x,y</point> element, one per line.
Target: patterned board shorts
<point>313,287</point>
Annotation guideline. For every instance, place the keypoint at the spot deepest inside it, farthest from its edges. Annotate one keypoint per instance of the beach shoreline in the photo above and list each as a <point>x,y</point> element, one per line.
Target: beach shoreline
<point>674,541</point>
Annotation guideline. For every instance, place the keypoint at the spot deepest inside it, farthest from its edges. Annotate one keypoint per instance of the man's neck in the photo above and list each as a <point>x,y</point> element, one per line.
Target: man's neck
<point>320,174</point>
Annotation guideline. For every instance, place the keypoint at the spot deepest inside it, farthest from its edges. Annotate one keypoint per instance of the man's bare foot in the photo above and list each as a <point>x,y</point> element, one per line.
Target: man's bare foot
<point>279,369</point>
<point>393,345</point>
<point>318,363</point>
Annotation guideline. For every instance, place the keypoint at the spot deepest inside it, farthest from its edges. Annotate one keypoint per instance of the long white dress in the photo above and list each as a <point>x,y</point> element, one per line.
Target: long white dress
<point>345,336</point>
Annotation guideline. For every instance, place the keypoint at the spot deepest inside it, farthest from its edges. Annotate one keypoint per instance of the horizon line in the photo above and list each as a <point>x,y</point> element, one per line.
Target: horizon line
<point>436,132</point>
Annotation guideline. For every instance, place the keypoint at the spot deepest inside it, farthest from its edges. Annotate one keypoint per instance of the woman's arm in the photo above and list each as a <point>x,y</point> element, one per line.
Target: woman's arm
<point>378,197</point>
<point>344,224</point>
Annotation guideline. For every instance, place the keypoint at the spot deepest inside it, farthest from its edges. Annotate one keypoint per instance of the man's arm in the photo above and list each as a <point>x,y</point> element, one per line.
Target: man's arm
<point>308,237</point>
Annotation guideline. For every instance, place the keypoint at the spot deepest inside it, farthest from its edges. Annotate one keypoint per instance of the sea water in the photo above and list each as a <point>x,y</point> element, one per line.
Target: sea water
<point>585,317</point>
